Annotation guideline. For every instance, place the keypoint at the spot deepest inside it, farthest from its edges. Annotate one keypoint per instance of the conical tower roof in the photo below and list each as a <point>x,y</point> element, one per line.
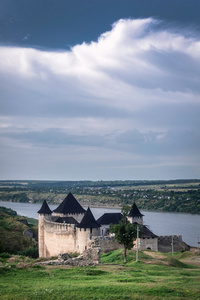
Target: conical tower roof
<point>134,212</point>
<point>70,206</point>
<point>88,221</point>
<point>44,209</point>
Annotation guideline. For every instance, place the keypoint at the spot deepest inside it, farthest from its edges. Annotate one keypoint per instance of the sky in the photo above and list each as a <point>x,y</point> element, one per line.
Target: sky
<point>99,89</point>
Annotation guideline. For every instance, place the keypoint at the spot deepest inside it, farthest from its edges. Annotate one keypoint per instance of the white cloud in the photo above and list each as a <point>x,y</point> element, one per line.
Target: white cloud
<point>138,82</point>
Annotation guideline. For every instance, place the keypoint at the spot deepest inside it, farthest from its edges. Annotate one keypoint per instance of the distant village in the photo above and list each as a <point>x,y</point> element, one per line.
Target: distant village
<point>171,196</point>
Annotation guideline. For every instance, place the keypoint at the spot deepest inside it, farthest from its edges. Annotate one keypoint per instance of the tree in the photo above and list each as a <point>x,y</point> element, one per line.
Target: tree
<point>125,232</point>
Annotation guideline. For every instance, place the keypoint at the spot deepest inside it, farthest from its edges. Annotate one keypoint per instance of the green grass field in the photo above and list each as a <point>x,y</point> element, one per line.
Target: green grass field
<point>155,276</point>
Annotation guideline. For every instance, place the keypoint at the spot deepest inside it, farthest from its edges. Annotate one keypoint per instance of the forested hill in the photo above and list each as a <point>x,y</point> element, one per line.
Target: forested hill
<point>17,236</point>
<point>172,196</point>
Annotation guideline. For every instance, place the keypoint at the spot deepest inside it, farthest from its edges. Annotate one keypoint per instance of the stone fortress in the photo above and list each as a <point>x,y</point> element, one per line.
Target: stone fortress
<point>72,229</point>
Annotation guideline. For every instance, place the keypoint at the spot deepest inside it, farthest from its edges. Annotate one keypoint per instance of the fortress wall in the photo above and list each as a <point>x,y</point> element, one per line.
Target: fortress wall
<point>58,238</point>
<point>95,231</point>
<point>175,237</point>
<point>165,243</point>
<point>108,244</point>
<point>84,237</point>
<point>146,243</point>
<point>77,217</point>
<point>41,235</point>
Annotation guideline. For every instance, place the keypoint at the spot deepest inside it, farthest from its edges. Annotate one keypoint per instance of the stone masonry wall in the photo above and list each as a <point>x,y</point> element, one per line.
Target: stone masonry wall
<point>108,244</point>
<point>89,257</point>
<point>58,238</point>
<point>77,217</point>
<point>165,243</point>
<point>147,243</point>
<point>84,237</point>
<point>41,235</point>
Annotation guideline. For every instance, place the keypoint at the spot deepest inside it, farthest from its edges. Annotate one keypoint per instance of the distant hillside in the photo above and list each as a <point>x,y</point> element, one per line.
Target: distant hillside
<point>159,195</point>
<point>17,236</point>
<point>93,184</point>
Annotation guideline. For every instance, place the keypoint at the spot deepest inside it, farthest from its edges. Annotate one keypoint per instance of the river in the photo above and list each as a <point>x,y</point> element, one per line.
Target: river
<point>161,223</point>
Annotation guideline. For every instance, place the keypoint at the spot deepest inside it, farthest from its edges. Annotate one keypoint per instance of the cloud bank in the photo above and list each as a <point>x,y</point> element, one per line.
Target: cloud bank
<point>124,107</point>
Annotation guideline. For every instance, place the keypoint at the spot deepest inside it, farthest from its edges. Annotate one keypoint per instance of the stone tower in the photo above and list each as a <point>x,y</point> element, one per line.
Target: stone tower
<point>135,215</point>
<point>87,229</point>
<point>44,212</point>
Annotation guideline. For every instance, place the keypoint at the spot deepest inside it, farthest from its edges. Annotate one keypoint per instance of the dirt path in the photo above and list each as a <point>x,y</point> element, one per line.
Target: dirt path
<point>155,254</point>
<point>192,261</point>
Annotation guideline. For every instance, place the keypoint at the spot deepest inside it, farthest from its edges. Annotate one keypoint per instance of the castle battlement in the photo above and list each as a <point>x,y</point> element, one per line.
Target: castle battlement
<point>57,227</point>
<point>175,237</point>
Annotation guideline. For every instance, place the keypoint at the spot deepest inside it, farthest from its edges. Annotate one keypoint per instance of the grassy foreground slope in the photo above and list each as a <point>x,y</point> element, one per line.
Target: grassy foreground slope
<point>155,276</point>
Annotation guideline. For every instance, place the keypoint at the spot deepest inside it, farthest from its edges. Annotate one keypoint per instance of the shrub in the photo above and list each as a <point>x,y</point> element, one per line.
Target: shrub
<point>5,255</point>
<point>31,252</point>
<point>8,211</point>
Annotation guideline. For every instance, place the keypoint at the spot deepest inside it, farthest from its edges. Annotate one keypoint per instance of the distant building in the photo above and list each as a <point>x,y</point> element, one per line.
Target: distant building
<point>147,239</point>
<point>106,220</point>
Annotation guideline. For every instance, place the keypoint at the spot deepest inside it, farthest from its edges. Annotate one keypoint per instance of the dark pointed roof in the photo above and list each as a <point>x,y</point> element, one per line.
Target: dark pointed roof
<point>134,212</point>
<point>88,221</point>
<point>44,209</point>
<point>70,206</point>
<point>110,218</point>
<point>146,233</point>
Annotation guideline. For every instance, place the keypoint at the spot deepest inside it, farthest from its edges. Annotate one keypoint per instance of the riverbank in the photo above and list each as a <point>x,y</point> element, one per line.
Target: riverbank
<point>169,197</point>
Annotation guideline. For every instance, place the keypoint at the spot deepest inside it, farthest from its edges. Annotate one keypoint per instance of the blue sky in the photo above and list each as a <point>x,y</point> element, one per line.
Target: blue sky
<point>99,90</point>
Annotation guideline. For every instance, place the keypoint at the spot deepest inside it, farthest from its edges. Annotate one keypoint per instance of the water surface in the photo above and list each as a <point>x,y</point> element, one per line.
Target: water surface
<point>161,223</point>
